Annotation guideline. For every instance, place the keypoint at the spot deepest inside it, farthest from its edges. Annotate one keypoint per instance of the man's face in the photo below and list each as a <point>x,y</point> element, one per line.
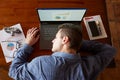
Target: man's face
<point>57,42</point>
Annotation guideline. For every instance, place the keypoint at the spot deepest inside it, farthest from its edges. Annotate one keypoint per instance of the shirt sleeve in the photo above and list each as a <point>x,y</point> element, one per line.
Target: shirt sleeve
<point>19,67</point>
<point>102,54</point>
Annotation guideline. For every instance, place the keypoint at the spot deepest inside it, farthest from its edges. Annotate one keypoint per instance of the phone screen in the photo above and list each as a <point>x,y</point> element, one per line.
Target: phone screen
<point>94,28</point>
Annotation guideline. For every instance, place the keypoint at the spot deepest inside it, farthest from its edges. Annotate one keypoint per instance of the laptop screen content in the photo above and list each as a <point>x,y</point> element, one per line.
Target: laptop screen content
<point>72,14</point>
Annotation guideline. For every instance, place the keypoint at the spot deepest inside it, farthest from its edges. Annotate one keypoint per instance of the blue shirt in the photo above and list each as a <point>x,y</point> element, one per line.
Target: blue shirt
<point>58,66</point>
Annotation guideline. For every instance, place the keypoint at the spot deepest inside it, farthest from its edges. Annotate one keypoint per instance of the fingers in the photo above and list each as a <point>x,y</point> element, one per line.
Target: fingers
<point>33,31</point>
<point>32,36</point>
<point>36,33</point>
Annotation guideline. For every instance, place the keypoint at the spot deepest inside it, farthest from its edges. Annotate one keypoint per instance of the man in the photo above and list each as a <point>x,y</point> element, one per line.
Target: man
<point>65,63</point>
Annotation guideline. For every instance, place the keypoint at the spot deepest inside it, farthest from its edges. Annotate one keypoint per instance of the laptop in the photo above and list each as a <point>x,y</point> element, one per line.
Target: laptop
<point>50,18</point>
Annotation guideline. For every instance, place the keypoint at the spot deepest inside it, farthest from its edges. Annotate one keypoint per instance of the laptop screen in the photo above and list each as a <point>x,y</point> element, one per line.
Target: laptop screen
<point>65,14</point>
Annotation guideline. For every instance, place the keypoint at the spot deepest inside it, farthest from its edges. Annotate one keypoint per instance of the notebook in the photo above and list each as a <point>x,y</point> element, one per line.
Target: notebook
<point>50,18</point>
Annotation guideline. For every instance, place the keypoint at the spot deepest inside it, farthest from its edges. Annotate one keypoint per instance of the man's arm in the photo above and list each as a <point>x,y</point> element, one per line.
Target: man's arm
<point>98,48</point>
<point>19,61</point>
<point>19,69</point>
<point>102,54</point>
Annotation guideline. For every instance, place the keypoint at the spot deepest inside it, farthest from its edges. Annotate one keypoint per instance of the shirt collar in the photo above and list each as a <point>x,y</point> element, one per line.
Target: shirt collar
<point>66,55</point>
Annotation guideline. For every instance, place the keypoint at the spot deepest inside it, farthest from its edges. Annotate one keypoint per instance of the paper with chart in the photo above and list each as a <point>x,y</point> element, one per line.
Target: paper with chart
<point>11,39</point>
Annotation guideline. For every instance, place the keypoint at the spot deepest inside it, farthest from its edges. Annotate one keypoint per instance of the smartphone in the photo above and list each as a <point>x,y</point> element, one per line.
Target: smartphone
<point>94,28</point>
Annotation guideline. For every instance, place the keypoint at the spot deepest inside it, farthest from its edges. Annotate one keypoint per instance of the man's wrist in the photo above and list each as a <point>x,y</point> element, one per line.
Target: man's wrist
<point>27,48</point>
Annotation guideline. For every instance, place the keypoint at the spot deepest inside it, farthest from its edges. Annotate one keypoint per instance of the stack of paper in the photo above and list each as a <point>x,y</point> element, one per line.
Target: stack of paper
<point>11,39</point>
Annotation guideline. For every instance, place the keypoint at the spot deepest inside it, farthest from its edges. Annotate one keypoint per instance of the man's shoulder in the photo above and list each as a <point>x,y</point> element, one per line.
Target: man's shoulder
<point>45,58</point>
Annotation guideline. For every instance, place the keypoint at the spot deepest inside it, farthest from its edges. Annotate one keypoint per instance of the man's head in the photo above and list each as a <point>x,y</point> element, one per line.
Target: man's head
<point>69,36</point>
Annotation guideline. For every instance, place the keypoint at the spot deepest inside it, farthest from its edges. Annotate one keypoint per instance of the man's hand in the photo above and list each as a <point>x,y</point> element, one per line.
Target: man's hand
<point>32,36</point>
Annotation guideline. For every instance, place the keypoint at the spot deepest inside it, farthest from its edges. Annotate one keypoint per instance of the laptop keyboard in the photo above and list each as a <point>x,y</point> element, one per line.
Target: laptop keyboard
<point>49,32</point>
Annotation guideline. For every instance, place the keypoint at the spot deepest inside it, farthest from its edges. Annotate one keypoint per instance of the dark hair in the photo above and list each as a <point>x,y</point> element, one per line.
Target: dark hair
<point>74,34</point>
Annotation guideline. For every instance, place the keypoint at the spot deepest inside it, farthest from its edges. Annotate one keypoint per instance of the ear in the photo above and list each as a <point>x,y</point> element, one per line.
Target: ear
<point>65,40</point>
